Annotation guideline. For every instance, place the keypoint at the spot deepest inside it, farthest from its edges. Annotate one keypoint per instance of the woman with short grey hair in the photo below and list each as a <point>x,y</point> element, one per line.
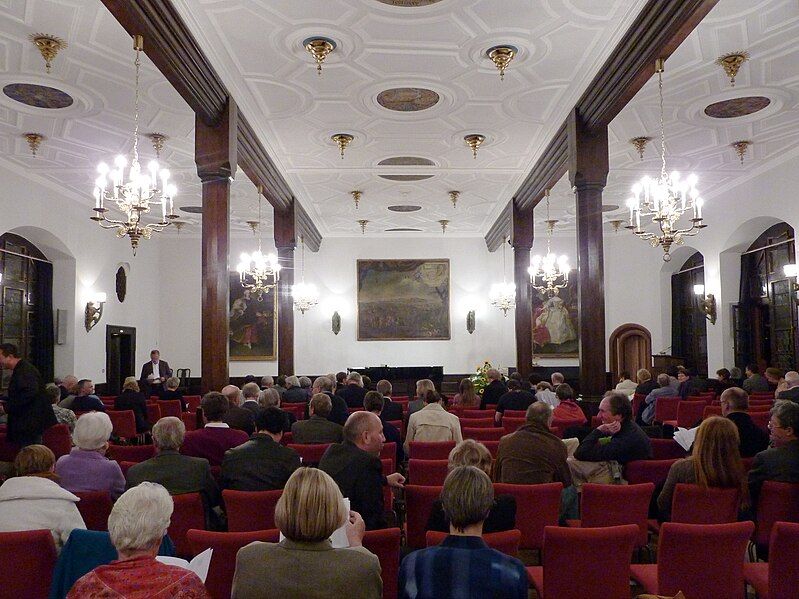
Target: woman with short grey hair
<point>168,433</point>
<point>137,525</point>
<point>269,398</point>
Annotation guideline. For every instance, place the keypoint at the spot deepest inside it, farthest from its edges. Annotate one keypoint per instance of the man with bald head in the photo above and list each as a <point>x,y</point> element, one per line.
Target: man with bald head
<point>355,466</point>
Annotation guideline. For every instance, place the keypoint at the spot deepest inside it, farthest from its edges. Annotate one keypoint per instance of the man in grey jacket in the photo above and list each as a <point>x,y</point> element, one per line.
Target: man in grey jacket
<point>665,390</point>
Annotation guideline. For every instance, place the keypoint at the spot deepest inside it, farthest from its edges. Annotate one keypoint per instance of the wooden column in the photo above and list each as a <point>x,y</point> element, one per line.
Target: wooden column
<point>285,242</point>
<point>522,241</point>
<point>215,156</point>
<point>588,173</point>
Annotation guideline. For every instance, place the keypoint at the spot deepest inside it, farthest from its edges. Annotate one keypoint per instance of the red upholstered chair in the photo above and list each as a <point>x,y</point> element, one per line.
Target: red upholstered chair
<point>478,413</point>
<point>701,560</point>
<point>298,409</point>
<point>170,407</point>
<point>154,413</point>
<point>418,503</point>
<point>225,546</point>
<point>125,466</point>
<point>58,439</point>
<point>514,414</point>
<point>711,411</point>
<point>603,555</point>
<point>189,513</point>
<point>638,401</point>
<point>124,423</point>
<point>385,544</point>
<point>193,402</point>
<point>537,506</point>
<point>429,473</point>
<point>760,406</point>
<point>94,508</point>
<point>424,450</point>
<point>287,438</point>
<point>614,505</point>
<point>492,447</point>
<point>666,449</point>
<point>777,502</point>
<point>779,578</point>
<point>760,419</point>
<point>688,413</point>
<point>389,452</point>
<point>399,425</point>
<point>693,504</point>
<point>310,454</point>
<point>477,422</point>
<point>666,408</point>
<point>130,453</point>
<point>189,420</point>
<point>29,557</point>
<point>482,434</point>
<point>250,510</point>
<point>507,541</point>
<point>643,471</point>
<point>511,424</point>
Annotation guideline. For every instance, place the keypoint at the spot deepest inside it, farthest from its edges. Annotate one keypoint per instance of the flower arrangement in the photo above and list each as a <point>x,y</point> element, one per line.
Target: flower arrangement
<point>479,378</point>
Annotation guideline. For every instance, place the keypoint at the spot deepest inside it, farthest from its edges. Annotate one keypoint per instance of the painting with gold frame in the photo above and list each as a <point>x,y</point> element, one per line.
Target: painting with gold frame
<point>555,332</point>
<point>252,324</point>
<point>401,300</point>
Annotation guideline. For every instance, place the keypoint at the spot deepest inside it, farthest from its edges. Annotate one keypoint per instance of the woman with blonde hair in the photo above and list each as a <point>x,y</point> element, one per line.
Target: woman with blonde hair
<point>466,396</point>
<point>423,386</point>
<point>715,463</point>
<point>304,563</point>
<point>133,399</point>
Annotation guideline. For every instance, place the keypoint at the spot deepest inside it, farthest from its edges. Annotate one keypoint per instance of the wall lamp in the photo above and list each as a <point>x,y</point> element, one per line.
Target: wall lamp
<point>94,310</point>
<point>470,321</point>
<point>792,272</point>
<point>707,303</point>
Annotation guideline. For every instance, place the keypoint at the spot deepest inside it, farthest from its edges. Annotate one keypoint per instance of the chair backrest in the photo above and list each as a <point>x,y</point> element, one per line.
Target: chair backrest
<point>153,413</point>
<point>189,420</point>
<point>512,424</point>
<point>703,560</point>
<point>58,439</point>
<point>189,513</point>
<point>225,546</point>
<point>783,575</point>
<point>94,508</point>
<point>29,557</point>
<point>419,502</point>
<point>690,412</point>
<point>389,452</point>
<point>193,402</point>
<point>130,453</point>
<point>482,434</point>
<point>478,413</point>
<point>537,506</point>
<point>170,407</point>
<point>693,504</point>
<point>298,409</point>
<point>8,450</point>
<point>666,449</point>
<point>613,505</point>
<point>477,422</point>
<point>124,422</point>
<point>430,450</point>
<point>310,454</point>
<point>250,510</point>
<point>711,411</point>
<point>643,471</point>
<point>666,408</point>
<point>125,466</point>
<point>760,419</point>
<point>492,447</point>
<point>385,544</point>
<point>760,407</point>
<point>778,502</point>
<point>514,414</point>
<point>427,472</point>
<point>638,400</point>
<point>603,554</point>
<point>506,541</point>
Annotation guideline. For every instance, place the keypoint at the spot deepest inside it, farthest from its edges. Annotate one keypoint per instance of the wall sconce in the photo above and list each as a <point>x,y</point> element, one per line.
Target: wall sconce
<point>335,323</point>
<point>707,303</point>
<point>470,321</point>
<point>94,310</point>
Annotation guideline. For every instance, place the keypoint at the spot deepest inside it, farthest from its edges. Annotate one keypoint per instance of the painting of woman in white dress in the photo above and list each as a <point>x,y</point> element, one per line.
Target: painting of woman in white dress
<point>554,318</point>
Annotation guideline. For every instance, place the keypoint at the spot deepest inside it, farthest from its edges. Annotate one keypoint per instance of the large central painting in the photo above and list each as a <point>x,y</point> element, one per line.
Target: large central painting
<point>555,323</point>
<point>403,299</point>
<point>252,322</point>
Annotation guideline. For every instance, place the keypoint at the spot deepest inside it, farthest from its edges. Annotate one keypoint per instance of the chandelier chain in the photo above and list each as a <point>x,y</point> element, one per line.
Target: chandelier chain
<point>662,126</point>
<point>137,62</point>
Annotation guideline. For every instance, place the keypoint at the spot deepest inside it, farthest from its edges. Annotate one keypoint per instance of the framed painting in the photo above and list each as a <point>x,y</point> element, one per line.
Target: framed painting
<point>252,323</point>
<point>400,300</point>
<point>555,323</point>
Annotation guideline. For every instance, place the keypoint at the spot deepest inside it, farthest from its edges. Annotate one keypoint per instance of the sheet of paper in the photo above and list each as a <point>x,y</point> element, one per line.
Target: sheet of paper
<point>199,564</point>
<point>685,437</point>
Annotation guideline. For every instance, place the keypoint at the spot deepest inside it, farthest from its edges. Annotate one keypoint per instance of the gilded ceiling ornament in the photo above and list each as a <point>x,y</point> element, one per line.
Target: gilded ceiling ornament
<point>342,141</point>
<point>356,196</point>
<point>639,143</point>
<point>474,141</point>
<point>157,140</point>
<point>741,147</point>
<point>363,222</point>
<point>453,197</point>
<point>443,223</point>
<point>49,46</point>
<point>34,141</point>
<point>502,56</point>
<point>319,48</point>
<point>731,63</point>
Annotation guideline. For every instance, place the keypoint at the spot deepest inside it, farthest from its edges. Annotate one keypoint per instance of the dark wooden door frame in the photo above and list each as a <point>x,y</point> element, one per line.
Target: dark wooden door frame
<point>110,331</point>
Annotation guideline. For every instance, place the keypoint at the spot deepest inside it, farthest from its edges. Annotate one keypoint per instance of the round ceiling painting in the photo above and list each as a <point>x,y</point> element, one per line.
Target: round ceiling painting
<point>409,3</point>
<point>38,96</point>
<point>404,208</point>
<point>406,161</point>
<point>407,99</point>
<point>406,177</point>
<point>728,109</point>
<point>402,230</point>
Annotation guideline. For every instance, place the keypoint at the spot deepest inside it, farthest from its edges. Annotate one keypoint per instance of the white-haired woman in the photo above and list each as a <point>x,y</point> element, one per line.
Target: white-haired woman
<point>86,468</point>
<point>137,524</point>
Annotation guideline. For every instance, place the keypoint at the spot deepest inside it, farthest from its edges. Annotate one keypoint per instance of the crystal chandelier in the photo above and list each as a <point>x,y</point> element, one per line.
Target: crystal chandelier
<point>503,295</point>
<point>258,273</point>
<point>549,273</point>
<point>135,196</point>
<point>304,294</point>
<point>664,200</point>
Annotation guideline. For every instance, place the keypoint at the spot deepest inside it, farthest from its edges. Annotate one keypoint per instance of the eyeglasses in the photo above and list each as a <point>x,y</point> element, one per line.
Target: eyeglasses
<point>773,426</point>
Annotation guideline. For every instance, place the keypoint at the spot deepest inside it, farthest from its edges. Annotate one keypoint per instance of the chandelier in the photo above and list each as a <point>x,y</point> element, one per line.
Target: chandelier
<point>258,273</point>
<point>135,195</point>
<point>664,200</point>
<point>503,295</point>
<point>304,294</point>
<point>549,273</point>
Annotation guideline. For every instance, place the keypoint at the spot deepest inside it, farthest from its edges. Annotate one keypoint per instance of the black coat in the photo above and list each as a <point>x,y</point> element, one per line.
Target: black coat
<point>241,419</point>
<point>177,394</point>
<point>29,410</point>
<point>260,464</point>
<point>630,443</point>
<point>491,394</point>
<point>753,438</point>
<point>391,410</point>
<point>133,400</point>
<point>353,395</point>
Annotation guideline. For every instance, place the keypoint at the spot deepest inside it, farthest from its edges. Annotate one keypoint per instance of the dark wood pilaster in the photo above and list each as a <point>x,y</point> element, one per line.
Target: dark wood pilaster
<point>522,241</point>
<point>285,242</point>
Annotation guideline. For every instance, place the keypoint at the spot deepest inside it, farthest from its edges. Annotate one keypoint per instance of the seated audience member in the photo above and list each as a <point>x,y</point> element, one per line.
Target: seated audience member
<point>722,382</point>
<point>367,383</point>
<point>355,466</point>
<point>533,455</point>
<point>339,411</point>
<point>502,515</point>
<point>133,399</point>
<point>545,394</point>
<point>216,437</point>
<point>518,377</point>
<point>715,462</point>
<point>171,392</point>
<point>433,423</point>
<point>781,462</point>
<point>391,409</point>
<point>422,387</point>
<point>262,463</point>
<point>625,384</point>
<point>177,473</point>
<point>688,384</point>
<point>463,565</point>
<point>791,391</point>
<point>666,389</point>
<point>567,411</point>
<point>269,398</point>
<point>493,390</point>
<point>137,525</point>
<point>67,386</point>
<point>33,499</point>
<point>267,382</point>
<point>466,397</point>
<point>734,403</point>
<point>250,394</point>
<point>304,563</point>
<point>294,393</point>
<point>754,382</point>
<point>317,429</point>
<point>340,382</point>
<point>775,379</point>
<point>237,417</point>
<point>618,437</point>
<point>353,393</point>
<point>62,415</point>
<point>85,400</point>
<point>280,384</point>
<point>557,378</point>
<point>86,468</point>
<point>373,402</point>
<point>305,385</point>
<point>736,377</point>
<point>515,399</point>
<point>646,384</point>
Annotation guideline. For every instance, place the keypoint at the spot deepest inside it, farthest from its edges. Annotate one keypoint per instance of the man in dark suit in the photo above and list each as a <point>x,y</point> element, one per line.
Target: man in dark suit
<point>792,392</point>
<point>781,462</point>
<point>375,403</point>
<point>238,417</point>
<point>515,399</point>
<point>28,407</point>
<point>734,403</point>
<point>354,392</point>
<point>250,393</point>
<point>153,374</point>
<point>494,390</point>
<point>212,441</point>
<point>338,412</point>
<point>317,428</point>
<point>262,463</point>
<point>391,410</point>
<point>356,468</point>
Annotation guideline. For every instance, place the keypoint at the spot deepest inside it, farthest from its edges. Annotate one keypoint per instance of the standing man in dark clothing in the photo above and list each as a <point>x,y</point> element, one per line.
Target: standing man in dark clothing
<point>515,399</point>
<point>28,407</point>
<point>494,390</point>
<point>154,374</point>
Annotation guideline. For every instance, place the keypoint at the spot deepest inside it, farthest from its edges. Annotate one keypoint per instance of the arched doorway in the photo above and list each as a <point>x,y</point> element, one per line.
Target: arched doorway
<point>630,349</point>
